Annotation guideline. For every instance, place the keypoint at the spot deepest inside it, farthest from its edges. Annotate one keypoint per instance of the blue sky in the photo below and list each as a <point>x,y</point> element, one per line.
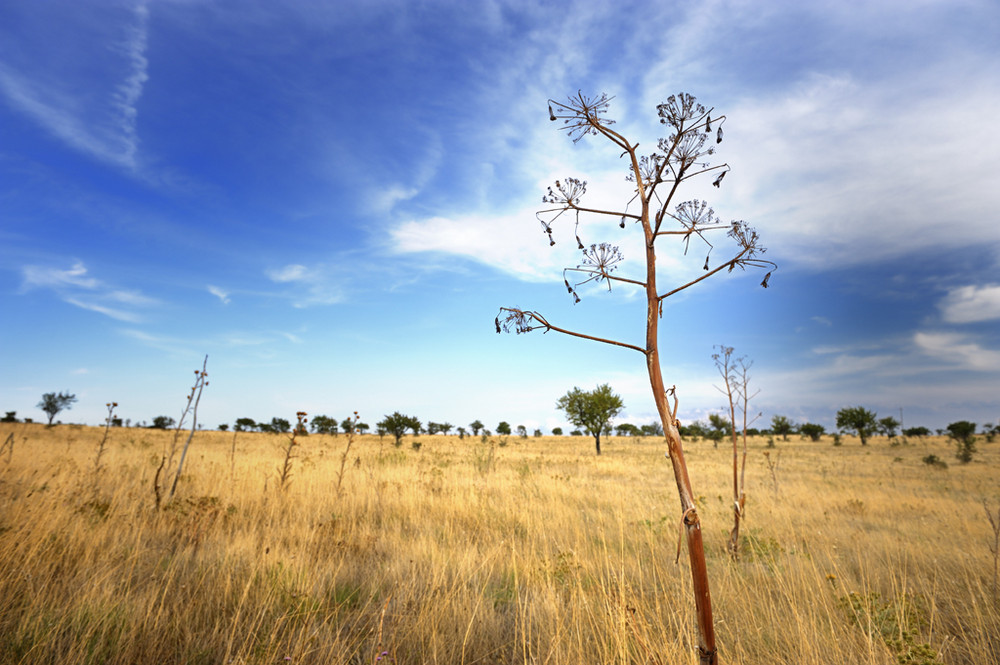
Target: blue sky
<point>332,201</point>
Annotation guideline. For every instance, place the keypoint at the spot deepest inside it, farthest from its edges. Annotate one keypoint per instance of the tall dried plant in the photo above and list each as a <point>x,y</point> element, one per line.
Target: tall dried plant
<point>682,155</point>
<point>735,375</point>
<point>167,460</point>
<point>102,444</point>
<point>285,470</point>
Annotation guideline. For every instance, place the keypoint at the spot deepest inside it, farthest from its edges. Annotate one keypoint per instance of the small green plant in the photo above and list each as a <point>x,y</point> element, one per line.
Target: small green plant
<point>935,461</point>
<point>416,445</point>
<point>897,622</point>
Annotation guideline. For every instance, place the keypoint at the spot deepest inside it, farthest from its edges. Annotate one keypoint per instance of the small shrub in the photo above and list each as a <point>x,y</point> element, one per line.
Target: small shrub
<point>935,461</point>
<point>416,445</point>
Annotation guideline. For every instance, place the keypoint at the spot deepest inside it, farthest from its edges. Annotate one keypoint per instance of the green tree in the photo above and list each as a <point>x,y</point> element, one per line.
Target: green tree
<point>888,426</point>
<point>10,417</point>
<point>557,431</point>
<point>652,429</point>
<point>347,424</point>
<point>362,427</point>
<point>591,410</point>
<point>163,422</point>
<point>245,425</point>
<point>224,427</point>
<point>324,425</point>
<point>627,429</point>
<point>963,433</point>
<point>782,426</point>
<point>475,426</point>
<point>503,428</point>
<point>280,425</point>
<point>916,431</point>
<point>812,430</point>
<point>859,420</point>
<point>522,431</point>
<point>53,403</point>
<point>721,428</point>
<point>397,424</point>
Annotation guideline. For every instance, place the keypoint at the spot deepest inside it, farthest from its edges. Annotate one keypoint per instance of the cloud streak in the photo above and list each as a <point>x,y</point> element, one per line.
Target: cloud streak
<point>76,287</point>
<point>101,125</point>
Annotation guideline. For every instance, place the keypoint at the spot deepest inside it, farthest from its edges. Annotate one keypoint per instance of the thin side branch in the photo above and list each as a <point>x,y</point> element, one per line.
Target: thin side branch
<point>523,321</point>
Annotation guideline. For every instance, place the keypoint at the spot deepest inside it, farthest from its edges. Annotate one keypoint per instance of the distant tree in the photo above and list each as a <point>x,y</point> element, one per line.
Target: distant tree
<point>859,420</point>
<point>347,424</point>
<point>652,429</point>
<point>245,425</point>
<point>361,428</point>
<point>461,432</point>
<point>557,431</point>
<point>324,425</point>
<point>475,426</point>
<point>963,433</point>
<point>721,428</point>
<point>446,428</point>
<point>537,433</point>
<point>53,403</point>
<point>522,431</point>
<point>224,427</point>
<point>782,426</point>
<point>280,425</point>
<point>397,424</point>
<point>503,428</point>
<point>812,430</point>
<point>916,431</point>
<point>627,429</point>
<point>696,430</point>
<point>888,426</point>
<point>433,427</point>
<point>415,426</point>
<point>10,417</point>
<point>591,410</point>
<point>576,432</point>
<point>163,422</point>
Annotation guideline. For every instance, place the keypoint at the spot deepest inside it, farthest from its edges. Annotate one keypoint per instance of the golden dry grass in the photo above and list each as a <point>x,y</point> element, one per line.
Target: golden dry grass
<point>459,552</point>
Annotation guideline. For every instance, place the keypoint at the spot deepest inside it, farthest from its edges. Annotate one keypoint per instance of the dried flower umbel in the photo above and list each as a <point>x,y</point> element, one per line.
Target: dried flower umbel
<point>686,152</point>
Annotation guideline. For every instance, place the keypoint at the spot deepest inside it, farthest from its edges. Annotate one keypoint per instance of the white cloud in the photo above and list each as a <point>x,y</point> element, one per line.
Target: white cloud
<point>970,304</point>
<point>958,351</point>
<point>219,293</point>
<point>290,273</point>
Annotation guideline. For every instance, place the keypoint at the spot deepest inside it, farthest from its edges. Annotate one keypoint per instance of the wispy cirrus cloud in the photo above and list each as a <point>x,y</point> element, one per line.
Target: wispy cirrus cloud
<point>75,286</point>
<point>318,285</point>
<point>219,293</point>
<point>97,116</point>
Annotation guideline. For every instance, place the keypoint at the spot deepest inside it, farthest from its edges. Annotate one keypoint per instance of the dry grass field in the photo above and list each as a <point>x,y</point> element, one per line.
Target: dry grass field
<point>536,551</point>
